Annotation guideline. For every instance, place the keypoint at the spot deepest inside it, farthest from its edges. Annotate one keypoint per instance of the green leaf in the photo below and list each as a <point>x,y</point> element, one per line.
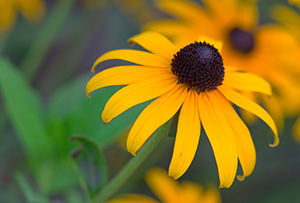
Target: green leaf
<point>24,111</point>
<point>72,112</point>
<point>90,164</point>
<point>28,192</point>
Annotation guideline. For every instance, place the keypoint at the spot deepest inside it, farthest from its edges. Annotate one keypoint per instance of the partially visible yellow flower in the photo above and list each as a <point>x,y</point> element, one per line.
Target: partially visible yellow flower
<point>139,10</point>
<point>296,2</point>
<point>290,20</point>
<point>192,80</point>
<point>268,51</point>
<point>170,191</point>
<point>31,10</point>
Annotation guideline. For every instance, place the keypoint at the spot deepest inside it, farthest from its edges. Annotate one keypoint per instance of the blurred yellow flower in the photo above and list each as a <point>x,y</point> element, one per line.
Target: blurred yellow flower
<point>268,51</point>
<point>191,80</point>
<point>170,191</point>
<point>31,10</point>
<point>290,20</point>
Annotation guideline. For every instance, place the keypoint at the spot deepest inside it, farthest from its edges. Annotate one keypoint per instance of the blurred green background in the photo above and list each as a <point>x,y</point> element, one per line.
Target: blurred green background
<point>53,144</point>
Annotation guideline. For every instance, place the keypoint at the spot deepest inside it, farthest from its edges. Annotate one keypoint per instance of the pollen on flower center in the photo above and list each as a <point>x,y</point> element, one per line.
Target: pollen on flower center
<point>241,40</point>
<point>199,66</point>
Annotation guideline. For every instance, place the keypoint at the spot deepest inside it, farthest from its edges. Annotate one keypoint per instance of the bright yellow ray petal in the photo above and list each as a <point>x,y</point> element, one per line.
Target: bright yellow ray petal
<point>154,115</point>
<point>247,81</point>
<point>134,56</point>
<point>164,187</point>
<point>123,75</point>
<point>252,107</point>
<point>245,147</point>
<point>187,137</point>
<point>137,93</point>
<point>155,43</point>
<point>133,198</point>
<point>220,136</point>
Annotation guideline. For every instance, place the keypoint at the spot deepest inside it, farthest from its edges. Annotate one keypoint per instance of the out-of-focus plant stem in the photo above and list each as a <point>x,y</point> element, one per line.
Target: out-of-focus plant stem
<point>39,48</point>
<point>132,165</point>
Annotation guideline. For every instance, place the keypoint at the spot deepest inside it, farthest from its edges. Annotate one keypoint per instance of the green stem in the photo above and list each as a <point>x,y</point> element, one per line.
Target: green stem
<point>132,165</point>
<point>46,36</point>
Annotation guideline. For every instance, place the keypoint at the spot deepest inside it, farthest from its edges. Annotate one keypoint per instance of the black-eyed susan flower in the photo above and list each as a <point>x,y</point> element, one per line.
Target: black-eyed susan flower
<point>268,51</point>
<point>290,20</point>
<point>194,81</point>
<point>31,10</point>
<point>169,190</point>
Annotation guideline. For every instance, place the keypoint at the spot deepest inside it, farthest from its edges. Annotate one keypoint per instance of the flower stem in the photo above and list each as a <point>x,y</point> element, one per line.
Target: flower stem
<point>132,165</point>
<point>46,36</point>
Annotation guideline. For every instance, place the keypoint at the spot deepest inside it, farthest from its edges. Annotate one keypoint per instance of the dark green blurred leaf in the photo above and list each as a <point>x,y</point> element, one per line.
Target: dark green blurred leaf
<point>91,164</point>
<point>72,112</point>
<point>28,192</point>
<point>24,111</point>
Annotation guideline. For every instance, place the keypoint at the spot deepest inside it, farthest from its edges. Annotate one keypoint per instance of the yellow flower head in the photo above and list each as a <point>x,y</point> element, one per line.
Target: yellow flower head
<point>32,10</point>
<point>290,20</point>
<point>191,80</point>
<point>268,51</point>
<point>169,190</point>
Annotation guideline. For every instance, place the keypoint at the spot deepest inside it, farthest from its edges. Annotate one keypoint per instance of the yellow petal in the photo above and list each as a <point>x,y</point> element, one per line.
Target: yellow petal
<point>187,137</point>
<point>217,44</point>
<point>220,136</point>
<point>7,18</point>
<point>123,75</point>
<point>133,198</point>
<point>248,117</point>
<point>245,147</point>
<point>167,27</point>
<point>155,43</point>
<point>247,81</point>
<point>33,10</point>
<point>249,105</point>
<point>137,93</point>
<point>134,56</point>
<point>211,195</point>
<point>273,105</point>
<point>154,115</point>
<point>183,9</point>
<point>163,186</point>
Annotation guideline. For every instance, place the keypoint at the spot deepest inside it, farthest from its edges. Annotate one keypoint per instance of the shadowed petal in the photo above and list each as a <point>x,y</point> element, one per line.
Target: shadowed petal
<point>252,107</point>
<point>137,93</point>
<point>245,147</point>
<point>123,75</point>
<point>187,137</point>
<point>220,136</point>
<point>154,115</point>
<point>247,81</point>
<point>134,56</point>
<point>164,187</point>
<point>155,43</point>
